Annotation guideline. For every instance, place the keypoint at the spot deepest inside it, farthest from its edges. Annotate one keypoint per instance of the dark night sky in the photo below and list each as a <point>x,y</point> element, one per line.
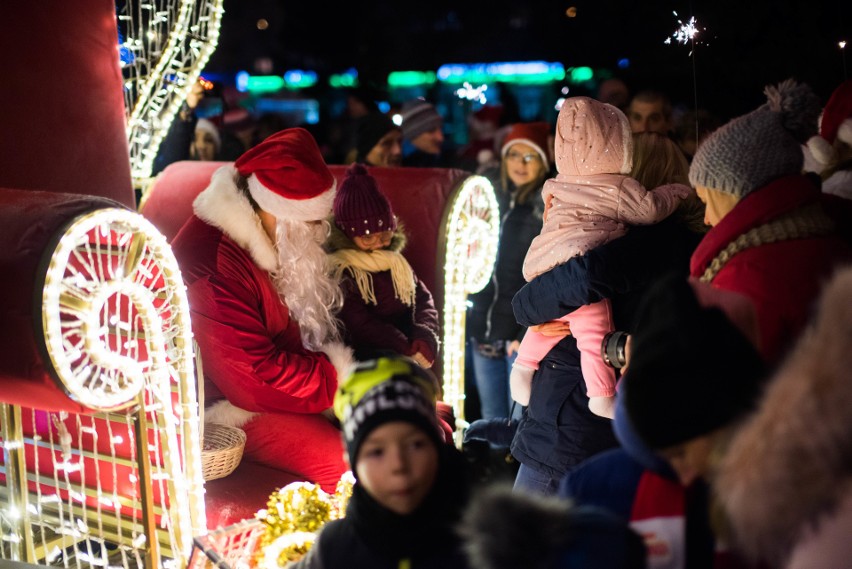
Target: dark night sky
<point>746,44</point>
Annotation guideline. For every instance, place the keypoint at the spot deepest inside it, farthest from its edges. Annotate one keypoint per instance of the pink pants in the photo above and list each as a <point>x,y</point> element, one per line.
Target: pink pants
<point>308,446</point>
<point>589,325</point>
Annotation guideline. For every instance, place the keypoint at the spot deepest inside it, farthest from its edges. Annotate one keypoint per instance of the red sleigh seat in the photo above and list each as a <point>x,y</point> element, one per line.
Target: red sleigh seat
<point>419,197</point>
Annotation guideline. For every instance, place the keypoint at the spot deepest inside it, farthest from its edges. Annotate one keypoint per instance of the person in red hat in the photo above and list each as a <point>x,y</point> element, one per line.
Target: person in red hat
<point>263,303</point>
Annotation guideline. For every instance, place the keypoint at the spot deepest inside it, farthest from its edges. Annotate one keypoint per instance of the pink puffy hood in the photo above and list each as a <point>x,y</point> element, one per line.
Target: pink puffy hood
<point>592,138</point>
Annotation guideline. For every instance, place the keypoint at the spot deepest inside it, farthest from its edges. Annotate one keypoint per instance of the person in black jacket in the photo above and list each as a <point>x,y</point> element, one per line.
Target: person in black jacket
<point>557,430</point>
<point>494,333</point>
<point>410,487</point>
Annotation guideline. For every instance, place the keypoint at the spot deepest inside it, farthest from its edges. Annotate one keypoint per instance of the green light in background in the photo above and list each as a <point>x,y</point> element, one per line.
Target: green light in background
<point>580,74</point>
<point>348,78</point>
<point>411,78</point>
<point>518,72</point>
<point>298,79</point>
<point>264,83</point>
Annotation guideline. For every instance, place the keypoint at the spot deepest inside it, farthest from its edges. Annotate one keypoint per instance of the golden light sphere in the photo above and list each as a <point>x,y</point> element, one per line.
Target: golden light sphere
<point>262,24</point>
<point>571,12</point>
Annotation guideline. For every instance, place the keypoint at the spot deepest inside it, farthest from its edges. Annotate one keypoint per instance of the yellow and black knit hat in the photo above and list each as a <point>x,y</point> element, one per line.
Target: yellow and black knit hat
<point>383,390</point>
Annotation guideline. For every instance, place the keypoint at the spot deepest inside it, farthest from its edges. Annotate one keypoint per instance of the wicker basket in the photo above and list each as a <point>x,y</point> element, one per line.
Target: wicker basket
<point>221,450</point>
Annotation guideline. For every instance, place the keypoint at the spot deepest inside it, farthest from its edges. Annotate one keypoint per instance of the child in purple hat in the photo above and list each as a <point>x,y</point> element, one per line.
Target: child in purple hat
<point>386,307</point>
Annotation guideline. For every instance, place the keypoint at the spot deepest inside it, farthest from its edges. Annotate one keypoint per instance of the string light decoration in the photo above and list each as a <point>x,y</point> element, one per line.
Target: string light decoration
<point>471,232</point>
<point>164,46</point>
<point>471,93</point>
<point>120,486</point>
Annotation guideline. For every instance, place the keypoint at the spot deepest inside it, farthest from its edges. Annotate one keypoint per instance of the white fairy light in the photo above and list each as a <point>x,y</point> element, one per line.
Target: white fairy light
<point>471,93</point>
<point>163,73</point>
<point>472,232</point>
<point>112,292</point>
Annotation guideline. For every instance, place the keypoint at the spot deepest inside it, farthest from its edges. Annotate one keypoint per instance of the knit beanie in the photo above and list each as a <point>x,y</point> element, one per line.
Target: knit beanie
<point>754,149</point>
<point>371,130</point>
<point>419,116</point>
<point>835,123</point>
<point>383,390</point>
<point>691,370</point>
<point>359,207</point>
<point>534,134</point>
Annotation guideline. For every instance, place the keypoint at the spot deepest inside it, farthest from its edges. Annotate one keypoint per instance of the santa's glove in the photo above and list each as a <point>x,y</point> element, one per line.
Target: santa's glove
<point>602,406</point>
<point>498,432</point>
<point>520,383</point>
<point>341,357</point>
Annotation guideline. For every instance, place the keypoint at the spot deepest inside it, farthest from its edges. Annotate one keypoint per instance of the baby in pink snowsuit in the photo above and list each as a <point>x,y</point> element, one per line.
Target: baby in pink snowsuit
<point>590,202</point>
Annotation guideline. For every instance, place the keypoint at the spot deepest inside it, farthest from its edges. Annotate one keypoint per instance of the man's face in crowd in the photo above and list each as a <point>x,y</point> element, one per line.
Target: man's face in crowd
<point>387,151</point>
<point>648,117</point>
<point>429,142</point>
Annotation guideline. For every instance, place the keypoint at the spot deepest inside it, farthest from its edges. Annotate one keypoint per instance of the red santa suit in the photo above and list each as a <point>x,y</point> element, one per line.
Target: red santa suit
<point>258,374</point>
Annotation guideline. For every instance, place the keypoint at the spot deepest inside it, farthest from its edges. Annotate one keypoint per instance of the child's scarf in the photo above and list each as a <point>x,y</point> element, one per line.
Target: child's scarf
<point>361,265</point>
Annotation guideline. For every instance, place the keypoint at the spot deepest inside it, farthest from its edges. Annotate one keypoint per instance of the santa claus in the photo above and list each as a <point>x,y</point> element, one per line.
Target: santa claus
<point>263,304</point>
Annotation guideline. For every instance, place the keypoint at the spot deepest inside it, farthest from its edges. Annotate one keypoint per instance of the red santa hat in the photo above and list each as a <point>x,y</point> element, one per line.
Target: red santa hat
<point>288,177</point>
<point>534,134</point>
<point>835,123</point>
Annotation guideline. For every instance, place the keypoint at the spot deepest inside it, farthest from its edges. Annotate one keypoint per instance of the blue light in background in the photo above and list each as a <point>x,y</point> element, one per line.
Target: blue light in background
<point>623,63</point>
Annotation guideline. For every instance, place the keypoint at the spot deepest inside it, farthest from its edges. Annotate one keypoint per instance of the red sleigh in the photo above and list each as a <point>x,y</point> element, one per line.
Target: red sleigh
<point>98,401</point>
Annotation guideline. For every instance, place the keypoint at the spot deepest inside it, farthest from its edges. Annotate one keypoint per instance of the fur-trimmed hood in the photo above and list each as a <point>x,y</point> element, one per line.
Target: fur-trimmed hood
<point>791,463</point>
<point>338,240</point>
<point>224,206</point>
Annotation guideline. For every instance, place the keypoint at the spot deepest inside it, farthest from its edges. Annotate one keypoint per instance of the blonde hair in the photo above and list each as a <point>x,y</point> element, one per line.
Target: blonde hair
<point>657,161</point>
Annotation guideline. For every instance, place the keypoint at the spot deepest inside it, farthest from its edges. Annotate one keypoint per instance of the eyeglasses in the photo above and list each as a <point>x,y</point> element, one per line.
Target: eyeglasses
<point>370,239</point>
<point>526,158</point>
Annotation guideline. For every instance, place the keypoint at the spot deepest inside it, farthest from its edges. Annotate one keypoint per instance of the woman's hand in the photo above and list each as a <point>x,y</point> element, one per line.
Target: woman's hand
<point>512,347</point>
<point>552,328</point>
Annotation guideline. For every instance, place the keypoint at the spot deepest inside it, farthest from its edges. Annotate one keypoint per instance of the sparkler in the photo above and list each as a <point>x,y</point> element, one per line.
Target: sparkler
<point>685,33</point>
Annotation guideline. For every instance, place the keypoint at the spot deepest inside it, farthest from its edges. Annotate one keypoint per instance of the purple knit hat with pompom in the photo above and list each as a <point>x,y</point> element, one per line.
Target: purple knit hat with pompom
<point>359,207</point>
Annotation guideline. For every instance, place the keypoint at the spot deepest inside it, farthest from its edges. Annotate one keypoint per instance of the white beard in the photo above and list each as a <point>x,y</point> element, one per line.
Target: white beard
<point>304,281</point>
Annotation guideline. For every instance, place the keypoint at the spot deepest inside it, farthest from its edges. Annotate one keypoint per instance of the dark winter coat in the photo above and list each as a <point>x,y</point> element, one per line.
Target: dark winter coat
<point>491,316</point>
<point>558,430</point>
<point>370,536</point>
<point>388,325</point>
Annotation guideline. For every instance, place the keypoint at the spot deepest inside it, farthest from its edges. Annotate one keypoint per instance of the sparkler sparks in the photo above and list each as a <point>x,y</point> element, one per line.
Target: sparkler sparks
<point>685,33</point>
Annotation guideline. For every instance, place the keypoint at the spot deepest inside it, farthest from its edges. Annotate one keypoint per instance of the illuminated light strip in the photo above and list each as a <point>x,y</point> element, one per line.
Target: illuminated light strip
<point>157,102</point>
<point>411,78</point>
<point>472,230</point>
<point>509,72</point>
<point>107,254</point>
<point>348,78</point>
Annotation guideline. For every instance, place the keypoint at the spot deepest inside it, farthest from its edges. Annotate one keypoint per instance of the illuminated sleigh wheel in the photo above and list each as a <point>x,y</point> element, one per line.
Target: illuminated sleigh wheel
<point>471,230</point>
<point>114,311</point>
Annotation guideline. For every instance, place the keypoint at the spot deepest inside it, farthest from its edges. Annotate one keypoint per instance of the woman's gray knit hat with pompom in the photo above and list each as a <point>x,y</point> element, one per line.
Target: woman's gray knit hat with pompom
<point>754,149</point>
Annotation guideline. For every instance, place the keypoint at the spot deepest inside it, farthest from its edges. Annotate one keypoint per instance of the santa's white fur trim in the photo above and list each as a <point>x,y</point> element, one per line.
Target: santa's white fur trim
<point>227,413</point>
<point>222,205</point>
<point>821,151</point>
<point>844,133</point>
<point>342,358</point>
<point>312,209</point>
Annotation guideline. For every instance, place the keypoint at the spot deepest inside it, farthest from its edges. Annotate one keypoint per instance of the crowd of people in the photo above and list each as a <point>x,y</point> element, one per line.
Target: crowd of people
<point>660,352</point>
